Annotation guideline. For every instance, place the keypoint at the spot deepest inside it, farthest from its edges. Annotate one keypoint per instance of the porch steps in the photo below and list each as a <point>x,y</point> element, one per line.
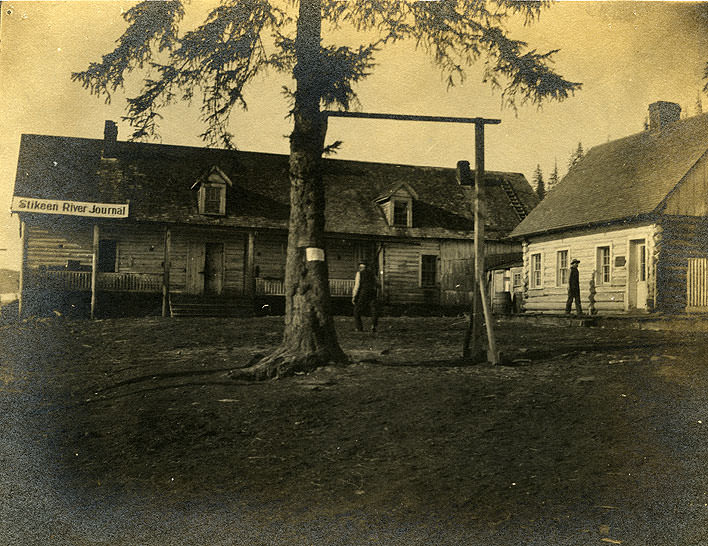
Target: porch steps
<point>514,199</point>
<point>210,306</point>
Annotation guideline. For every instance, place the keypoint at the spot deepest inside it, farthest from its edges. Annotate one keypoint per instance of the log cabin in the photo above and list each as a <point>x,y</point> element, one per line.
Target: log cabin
<point>113,228</point>
<point>634,211</point>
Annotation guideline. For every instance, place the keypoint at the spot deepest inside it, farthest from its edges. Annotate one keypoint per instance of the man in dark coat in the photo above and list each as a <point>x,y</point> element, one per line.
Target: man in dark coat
<point>364,296</point>
<point>574,288</point>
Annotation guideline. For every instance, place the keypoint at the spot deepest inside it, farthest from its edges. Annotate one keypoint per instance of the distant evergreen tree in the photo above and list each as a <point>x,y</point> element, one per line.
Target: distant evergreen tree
<point>576,155</point>
<point>539,183</point>
<point>553,178</point>
<point>699,104</point>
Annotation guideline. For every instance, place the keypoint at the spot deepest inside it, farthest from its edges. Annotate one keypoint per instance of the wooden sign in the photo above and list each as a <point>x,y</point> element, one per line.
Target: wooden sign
<point>71,208</point>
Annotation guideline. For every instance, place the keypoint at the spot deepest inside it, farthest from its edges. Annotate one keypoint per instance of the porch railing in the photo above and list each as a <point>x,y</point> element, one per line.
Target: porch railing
<point>81,280</point>
<point>341,287</point>
<point>276,287</point>
<point>152,282</point>
<point>60,280</point>
<point>129,282</point>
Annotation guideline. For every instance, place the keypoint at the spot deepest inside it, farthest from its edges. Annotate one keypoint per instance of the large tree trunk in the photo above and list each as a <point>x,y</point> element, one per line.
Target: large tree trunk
<point>309,340</point>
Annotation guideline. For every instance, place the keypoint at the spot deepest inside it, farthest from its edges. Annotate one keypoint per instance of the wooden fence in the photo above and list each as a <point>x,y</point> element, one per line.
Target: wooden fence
<point>697,285</point>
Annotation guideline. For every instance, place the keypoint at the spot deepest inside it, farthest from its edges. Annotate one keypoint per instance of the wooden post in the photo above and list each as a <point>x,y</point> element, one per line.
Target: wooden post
<point>475,325</point>
<point>23,263</point>
<point>94,269</point>
<point>166,264</point>
<point>250,271</point>
<point>478,237</point>
<point>481,310</point>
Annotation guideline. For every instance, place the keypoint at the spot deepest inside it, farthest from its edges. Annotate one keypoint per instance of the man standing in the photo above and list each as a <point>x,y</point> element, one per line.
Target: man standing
<point>364,296</point>
<point>574,288</point>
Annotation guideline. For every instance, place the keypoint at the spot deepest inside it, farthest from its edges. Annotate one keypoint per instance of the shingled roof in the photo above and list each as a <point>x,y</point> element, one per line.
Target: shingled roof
<point>625,179</point>
<point>157,178</point>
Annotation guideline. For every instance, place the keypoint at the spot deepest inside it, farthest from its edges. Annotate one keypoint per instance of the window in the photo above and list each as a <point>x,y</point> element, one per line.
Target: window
<point>107,254</point>
<point>518,282</point>
<point>400,213</point>
<point>603,264</point>
<point>428,270</point>
<point>562,268</point>
<point>642,263</point>
<point>536,271</point>
<point>213,199</point>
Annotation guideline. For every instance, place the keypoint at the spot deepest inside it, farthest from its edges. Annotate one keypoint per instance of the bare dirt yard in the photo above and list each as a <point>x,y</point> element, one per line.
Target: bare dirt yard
<point>131,432</point>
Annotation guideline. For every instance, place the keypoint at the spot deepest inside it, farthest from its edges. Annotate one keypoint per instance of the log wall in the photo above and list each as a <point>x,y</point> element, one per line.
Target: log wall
<point>610,297</point>
<point>678,240</point>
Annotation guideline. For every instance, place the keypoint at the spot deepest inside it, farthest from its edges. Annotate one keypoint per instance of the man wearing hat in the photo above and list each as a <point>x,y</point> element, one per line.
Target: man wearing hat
<point>574,288</point>
<point>364,296</point>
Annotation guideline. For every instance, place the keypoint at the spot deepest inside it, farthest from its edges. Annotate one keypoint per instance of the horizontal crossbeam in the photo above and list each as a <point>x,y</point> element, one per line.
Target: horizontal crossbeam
<point>410,117</point>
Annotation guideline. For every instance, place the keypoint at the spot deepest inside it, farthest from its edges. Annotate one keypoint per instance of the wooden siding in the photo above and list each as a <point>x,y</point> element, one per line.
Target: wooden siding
<point>402,273</point>
<point>140,259</point>
<point>583,245</point>
<point>140,249</point>
<point>678,240</point>
<point>342,256</point>
<point>690,196</point>
<point>457,272</point>
<point>234,251</point>
<point>269,259</point>
<point>457,268</point>
<point>54,246</point>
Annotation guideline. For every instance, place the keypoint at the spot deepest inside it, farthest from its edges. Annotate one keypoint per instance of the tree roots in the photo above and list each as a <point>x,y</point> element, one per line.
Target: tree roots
<point>285,362</point>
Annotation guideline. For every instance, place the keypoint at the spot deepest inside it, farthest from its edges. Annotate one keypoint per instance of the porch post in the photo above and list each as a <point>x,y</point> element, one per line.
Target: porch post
<point>166,262</point>
<point>94,269</point>
<point>382,271</point>
<point>250,270</point>
<point>23,263</point>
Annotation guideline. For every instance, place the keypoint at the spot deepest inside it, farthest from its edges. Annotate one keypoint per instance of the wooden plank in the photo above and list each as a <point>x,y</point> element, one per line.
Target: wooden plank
<point>249,271</point>
<point>23,266</point>
<point>94,269</point>
<point>166,258</point>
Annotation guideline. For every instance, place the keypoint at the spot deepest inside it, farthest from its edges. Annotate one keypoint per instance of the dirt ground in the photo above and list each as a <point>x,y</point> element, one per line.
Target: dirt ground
<point>126,432</point>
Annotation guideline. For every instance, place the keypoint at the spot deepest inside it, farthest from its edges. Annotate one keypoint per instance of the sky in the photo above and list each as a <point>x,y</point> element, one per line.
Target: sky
<point>626,54</point>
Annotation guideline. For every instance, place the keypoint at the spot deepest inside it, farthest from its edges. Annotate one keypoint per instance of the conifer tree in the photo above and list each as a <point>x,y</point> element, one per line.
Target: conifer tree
<point>241,40</point>
<point>539,183</point>
<point>576,156</point>
<point>553,178</point>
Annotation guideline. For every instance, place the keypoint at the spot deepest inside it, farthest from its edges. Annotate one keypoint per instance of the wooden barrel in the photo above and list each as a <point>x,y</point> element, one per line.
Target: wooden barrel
<point>501,304</point>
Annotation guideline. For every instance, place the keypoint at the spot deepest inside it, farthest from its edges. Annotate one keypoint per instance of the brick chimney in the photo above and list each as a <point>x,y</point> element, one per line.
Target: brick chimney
<point>110,139</point>
<point>662,113</point>
<point>463,174</point>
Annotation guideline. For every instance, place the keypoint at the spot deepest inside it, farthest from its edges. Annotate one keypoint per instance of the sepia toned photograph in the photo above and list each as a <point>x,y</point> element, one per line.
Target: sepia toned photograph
<point>353,272</point>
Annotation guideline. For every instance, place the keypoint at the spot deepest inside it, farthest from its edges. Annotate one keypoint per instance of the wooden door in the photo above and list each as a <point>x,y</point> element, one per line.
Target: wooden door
<point>456,272</point>
<point>637,275</point>
<point>195,268</point>
<point>214,268</point>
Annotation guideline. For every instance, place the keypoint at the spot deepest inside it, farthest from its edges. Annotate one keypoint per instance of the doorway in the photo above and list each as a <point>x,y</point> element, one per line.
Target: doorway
<point>205,268</point>
<point>214,268</point>
<point>637,275</point>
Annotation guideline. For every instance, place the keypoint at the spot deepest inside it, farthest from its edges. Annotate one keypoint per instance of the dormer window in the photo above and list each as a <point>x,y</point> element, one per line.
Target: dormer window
<point>397,205</point>
<point>400,213</point>
<point>214,199</point>
<point>212,188</point>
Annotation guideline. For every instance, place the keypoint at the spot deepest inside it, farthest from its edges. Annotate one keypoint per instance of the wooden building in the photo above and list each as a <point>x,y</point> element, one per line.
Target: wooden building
<point>634,211</point>
<point>116,226</point>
